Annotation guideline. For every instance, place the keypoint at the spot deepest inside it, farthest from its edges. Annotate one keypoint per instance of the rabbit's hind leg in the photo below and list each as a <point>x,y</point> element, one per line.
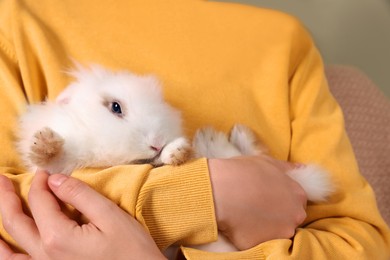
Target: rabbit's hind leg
<point>246,140</point>
<point>213,144</point>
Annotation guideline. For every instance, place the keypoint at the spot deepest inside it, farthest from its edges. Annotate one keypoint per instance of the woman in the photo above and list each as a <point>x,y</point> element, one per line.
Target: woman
<point>220,64</point>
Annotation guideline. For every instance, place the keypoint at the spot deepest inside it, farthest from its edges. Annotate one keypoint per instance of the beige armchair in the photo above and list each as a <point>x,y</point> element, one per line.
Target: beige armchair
<point>367,118</point>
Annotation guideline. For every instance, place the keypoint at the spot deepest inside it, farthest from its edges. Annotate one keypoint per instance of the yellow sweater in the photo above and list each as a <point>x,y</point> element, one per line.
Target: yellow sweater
<point>220,64</point>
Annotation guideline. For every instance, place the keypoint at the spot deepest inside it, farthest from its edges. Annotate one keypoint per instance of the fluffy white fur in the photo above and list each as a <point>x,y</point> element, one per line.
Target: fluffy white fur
<point>80,129</point>
<point>94,136</point>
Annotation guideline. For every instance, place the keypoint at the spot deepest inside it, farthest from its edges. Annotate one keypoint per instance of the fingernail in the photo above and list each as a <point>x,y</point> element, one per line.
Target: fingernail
<point>57,179</point>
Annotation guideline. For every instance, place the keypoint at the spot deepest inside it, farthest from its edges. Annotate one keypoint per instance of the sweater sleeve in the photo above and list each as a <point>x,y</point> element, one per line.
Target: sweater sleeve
<point>12,102</point>
<point>174,203</point>
<point>349,225</point>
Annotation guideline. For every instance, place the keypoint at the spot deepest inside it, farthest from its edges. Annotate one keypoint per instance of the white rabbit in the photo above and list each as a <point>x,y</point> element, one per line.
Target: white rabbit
<point>102,119</point>
<point>108,118</point>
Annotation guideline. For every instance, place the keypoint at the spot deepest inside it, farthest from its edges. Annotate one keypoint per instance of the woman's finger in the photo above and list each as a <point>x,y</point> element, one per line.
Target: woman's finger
<point>50,220</point>
<point>7,253</point>
<point>90,203</point>
<point>20,226</point>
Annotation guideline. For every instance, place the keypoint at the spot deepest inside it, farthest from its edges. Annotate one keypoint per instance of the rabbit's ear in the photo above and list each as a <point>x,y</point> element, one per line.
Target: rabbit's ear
<point>78,73</point>
<point>154,85</point>
<point>65,96</point>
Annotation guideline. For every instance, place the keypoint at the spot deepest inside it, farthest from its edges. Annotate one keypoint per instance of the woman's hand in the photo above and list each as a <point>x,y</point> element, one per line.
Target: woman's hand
<point>255,201</point>
<point>110,234</point>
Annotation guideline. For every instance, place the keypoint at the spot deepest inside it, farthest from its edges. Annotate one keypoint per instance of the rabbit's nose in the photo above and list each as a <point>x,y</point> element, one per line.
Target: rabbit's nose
<point>156,148</point>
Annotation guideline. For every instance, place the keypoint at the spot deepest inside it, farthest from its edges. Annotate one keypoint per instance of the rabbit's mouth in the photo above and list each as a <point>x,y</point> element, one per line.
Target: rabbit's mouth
<point>155,160</point>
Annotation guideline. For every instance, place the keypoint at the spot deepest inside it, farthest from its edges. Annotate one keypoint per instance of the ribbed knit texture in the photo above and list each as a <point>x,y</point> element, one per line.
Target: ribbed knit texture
<point>161,204</point>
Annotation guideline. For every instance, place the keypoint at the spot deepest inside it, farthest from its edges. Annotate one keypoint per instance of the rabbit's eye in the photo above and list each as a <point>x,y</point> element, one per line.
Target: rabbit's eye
<point>116,108</point>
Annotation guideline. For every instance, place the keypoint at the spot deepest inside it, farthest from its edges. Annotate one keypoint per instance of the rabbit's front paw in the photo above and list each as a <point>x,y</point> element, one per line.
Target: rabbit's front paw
<point>176,152</point>
<point>246,141</point>
<point>47,145</point>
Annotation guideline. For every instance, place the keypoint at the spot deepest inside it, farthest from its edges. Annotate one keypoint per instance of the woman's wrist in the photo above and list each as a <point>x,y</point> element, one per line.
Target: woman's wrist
<point>216,170</point>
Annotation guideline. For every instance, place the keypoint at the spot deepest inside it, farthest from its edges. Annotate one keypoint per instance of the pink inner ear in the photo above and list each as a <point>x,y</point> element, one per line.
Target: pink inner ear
<point>65,96</point>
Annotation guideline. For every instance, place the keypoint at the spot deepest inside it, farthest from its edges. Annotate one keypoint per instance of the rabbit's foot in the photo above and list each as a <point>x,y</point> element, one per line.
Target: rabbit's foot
<point>176,152</point>
<point>214,144</point>
<point>246,141</point>
<point>47,145</point>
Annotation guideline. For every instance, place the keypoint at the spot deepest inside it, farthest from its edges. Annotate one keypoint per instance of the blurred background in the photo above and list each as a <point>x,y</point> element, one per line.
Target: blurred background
<point>347,32</point>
